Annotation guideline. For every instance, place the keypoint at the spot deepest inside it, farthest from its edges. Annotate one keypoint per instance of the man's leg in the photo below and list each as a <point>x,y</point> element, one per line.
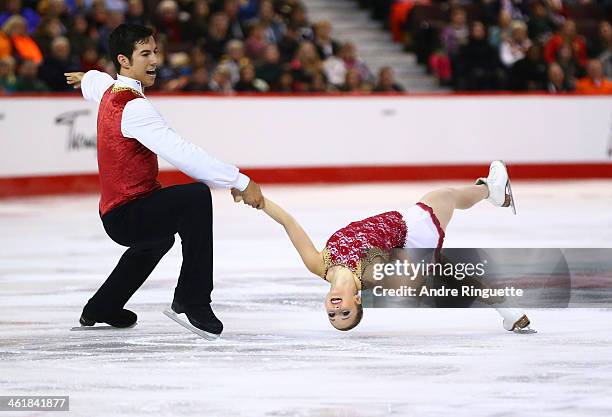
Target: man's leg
<point>133,269</point>
<point>195,229</point>
<point>147,225</point>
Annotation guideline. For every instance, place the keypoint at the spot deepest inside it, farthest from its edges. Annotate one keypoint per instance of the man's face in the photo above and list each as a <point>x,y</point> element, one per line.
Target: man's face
<point>143,64</point>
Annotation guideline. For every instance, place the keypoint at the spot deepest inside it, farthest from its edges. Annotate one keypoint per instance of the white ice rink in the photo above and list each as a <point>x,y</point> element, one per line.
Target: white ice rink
<point>278,355</point>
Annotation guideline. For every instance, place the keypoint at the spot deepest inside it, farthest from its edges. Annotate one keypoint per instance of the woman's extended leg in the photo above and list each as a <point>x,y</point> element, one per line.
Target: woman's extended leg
<point>444,201</point>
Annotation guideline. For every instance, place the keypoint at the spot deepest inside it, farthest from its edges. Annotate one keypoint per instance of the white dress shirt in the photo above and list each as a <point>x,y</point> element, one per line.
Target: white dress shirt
<point>141,121</point>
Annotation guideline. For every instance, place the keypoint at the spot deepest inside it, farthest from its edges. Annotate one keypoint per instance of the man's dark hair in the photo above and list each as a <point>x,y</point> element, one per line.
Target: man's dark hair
<point>123,39</point>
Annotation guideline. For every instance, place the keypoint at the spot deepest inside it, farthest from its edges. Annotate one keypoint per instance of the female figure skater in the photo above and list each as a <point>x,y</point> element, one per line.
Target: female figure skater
<point>420,226</point>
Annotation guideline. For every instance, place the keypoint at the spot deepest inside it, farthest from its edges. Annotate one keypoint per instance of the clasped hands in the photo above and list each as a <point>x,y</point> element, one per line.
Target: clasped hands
<point>251,195</point>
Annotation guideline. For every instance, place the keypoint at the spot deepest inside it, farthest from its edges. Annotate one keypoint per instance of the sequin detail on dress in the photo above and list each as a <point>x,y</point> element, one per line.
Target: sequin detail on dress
<point>349,245</point>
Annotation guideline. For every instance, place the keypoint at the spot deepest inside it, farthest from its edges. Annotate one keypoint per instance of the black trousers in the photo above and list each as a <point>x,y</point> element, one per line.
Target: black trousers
<point>147,227</point>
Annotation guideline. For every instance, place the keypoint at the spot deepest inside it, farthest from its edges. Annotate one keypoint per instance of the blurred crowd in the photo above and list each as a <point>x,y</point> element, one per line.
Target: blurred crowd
<point>271,46</point>
<point>518,45</point>
<point>204,45</point>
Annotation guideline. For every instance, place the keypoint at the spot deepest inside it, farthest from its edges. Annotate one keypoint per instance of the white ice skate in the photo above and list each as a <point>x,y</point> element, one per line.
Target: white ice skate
<point>498,183</point>
<point>515,320</point>
<point>184,321</point>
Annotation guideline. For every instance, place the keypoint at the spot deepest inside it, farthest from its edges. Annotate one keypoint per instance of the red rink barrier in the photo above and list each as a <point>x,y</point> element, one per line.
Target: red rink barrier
<point>88,183</point>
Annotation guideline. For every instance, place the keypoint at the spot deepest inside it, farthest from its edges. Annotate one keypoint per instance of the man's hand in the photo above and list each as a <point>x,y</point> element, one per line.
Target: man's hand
<point>251,195</point>
<point>74,78</point>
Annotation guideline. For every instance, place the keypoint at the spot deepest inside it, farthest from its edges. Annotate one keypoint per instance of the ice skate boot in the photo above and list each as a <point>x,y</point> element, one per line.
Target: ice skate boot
<point>121,320</point>
<point>198,318</point>
<point>515,320</point>
<point>498,183</point>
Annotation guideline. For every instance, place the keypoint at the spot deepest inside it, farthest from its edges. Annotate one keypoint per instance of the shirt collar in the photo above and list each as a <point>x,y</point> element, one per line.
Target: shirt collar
<point>130,82</point>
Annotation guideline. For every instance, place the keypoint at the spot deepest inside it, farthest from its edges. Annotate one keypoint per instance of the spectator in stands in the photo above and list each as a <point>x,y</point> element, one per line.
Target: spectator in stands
<point>48,29</point>
<point>601,48</point>
<point>541,26</point>
<point>566,36</point>
<point>98,15</point>
<point>326,46</point>
<point>196,27</point>
<point>56,8</point>
<point>335,70</point>
<point>114,19</point>
<point>234,59</point>
<point>305,65</point>
<point>556,80</point>
<point>529,73</point>
<point>353,82</point>
<point>256,42</point>
<point>299,21</point>
<point>603,42</point>
<point>232,11</point>
<point>348,54</point>
<point>456,34</point>
<point>167,21</point>
<point>270,69</point>
<point>27,81</point>
<point>248,82</point>
<point>197,57</point>
<point>248,10</point>
<point>90,59</point>
<point>319,84</point>
<point>515,48</point>
<point>220,82</point>
<point>24,47</point>
<point>571,69</point>
<point>273,26</point>
<point>135,13</point>
<point>386,82</point>
<point>288,46</point>
<point>285,84</point>
<point>8,80</point>
<point>502,31</point>
<point>59,62</point>
<point>218,35</point>
<point>79,34</point>
<point>595,82</point>
<point>477,65</point>
<point>198,81</point>
<point>517,9</point>
<point>6,48</point>
<point>181,72</point>
<point>15,7</point>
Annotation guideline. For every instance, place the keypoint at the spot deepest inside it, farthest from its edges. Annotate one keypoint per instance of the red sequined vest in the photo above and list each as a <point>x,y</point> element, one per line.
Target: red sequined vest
<point>128,169</point>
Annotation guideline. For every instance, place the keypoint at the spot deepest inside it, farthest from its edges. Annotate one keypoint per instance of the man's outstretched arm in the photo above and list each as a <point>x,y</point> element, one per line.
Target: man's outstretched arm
<point>92,83</point>
<point>143,122</point>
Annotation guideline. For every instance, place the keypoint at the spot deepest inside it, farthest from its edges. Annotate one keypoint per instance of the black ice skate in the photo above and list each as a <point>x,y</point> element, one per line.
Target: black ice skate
<point>124,319</point>
<point>198,318</point>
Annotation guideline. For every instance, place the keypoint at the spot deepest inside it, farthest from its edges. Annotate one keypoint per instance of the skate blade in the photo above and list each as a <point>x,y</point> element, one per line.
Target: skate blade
<point>512,206</point>
<point>509,192</point>
<point>185,323</point>
<point>525,330</point>
<point>104,327</point>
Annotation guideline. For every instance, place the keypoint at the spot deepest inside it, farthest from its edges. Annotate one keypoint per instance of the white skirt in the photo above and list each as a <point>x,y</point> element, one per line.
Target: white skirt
<point>423,227</point>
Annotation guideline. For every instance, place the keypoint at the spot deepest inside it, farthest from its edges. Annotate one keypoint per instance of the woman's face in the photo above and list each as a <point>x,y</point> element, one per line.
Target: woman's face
<point>341,306</point>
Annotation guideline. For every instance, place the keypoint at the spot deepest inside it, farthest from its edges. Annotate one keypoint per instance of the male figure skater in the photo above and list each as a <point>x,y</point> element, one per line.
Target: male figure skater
<point>135,211</point>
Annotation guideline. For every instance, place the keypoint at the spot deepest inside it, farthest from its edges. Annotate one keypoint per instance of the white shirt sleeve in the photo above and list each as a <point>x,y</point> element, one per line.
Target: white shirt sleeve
<point>94,84</point>
<point>143,122</point>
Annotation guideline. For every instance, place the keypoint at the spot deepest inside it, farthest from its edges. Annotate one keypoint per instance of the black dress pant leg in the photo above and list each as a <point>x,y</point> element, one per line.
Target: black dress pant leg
<point>147,226</point>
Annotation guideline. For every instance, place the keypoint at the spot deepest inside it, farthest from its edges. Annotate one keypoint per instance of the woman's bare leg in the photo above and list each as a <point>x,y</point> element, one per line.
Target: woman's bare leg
<point>444,201</point>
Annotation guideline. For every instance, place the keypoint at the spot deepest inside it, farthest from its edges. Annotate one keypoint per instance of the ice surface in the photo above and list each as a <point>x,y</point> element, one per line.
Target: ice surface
<point>278,356</point>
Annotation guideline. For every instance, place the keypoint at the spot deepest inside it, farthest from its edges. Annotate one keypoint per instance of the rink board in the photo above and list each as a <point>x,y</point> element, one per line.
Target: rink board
<point>49,144</point>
